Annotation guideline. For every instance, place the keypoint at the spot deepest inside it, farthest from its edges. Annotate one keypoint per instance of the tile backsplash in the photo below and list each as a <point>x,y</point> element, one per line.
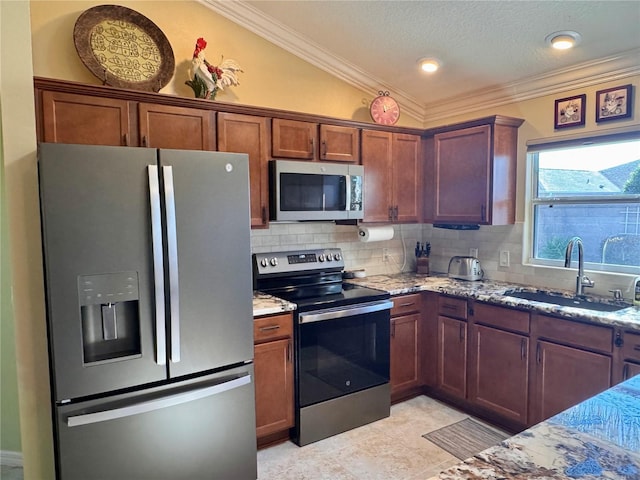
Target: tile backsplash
<point>488,240</point>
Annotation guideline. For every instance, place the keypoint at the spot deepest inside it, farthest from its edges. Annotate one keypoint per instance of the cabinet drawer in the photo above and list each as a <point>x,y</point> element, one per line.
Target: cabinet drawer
<point>452,307</point>
<point>631,346</point>
<point>505,318</point>
<point>406,304</point>
<point>591,337</point>
<point>269,328</point>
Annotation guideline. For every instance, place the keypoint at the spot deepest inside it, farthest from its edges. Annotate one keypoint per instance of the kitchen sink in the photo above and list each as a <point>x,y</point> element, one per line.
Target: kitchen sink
<point>559,299</point>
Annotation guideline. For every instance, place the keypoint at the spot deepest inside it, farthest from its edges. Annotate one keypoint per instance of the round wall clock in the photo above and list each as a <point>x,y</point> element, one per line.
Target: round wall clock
<point>384,109</point>
<point>123,48</point>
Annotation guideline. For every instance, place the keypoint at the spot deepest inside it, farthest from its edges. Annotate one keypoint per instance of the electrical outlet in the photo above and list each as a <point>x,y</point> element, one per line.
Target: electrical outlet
<point>385,254</point>
<point>473,252</point>
<point>505,258</point>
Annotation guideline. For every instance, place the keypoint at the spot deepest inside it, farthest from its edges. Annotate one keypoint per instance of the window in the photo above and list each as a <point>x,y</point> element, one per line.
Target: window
<point>588,188</point>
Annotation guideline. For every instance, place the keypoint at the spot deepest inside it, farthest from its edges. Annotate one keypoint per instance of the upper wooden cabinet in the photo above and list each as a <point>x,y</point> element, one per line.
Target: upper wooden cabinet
<point>471,172</point>
<point>180,128</point>
<point>392,177</point>
<point>94,120</point>
<point>309,141</point>
<point>76,118</point>
<point>249,134</point>
<point>339,144</point>
<point>294,139</point>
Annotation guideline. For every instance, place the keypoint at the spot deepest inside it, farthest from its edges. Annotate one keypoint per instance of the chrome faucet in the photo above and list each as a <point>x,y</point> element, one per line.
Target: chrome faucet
<point>582,280</point>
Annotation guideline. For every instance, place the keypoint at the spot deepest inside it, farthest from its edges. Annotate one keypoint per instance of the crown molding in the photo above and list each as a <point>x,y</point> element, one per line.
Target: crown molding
<point>612,68</point>
<point>615,67</point>
<point>266,27</point>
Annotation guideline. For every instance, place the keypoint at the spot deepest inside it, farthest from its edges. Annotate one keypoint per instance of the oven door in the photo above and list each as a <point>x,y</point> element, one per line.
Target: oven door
<point>342,351</point>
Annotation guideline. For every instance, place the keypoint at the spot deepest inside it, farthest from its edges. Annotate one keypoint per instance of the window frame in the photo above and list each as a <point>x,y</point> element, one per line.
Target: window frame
<point>534,147</point>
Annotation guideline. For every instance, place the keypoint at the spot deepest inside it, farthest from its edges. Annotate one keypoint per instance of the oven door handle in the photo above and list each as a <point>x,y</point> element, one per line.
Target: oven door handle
<point>342,312</point>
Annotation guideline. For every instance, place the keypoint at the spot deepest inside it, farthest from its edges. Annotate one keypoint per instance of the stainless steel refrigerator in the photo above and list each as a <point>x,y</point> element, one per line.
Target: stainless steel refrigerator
<point>149,312</point>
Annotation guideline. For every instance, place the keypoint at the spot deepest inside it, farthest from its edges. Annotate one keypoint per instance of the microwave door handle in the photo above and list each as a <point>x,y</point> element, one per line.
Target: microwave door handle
<point>348,194</point>
<point>172,254</point>
<point>158,261</point>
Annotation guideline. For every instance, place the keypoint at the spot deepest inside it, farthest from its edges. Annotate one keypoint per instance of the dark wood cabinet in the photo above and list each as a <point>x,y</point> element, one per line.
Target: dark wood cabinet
<point>76,118</point>
<point>571,362</point>
<point>405,345</point>
<point>273,364</point>
<point>294,139</point>
<point>95,120</point>
<point>180,128</point>
<point>498,377</point>
<point>452,347</point>
<point>393,177</point>
<point>452,359</point>
<point>250,134</point>
<point>626,358</point>
<point>472,169</point>
<point>339,144</point>
<point>429,340</point>
<point>564,376</point>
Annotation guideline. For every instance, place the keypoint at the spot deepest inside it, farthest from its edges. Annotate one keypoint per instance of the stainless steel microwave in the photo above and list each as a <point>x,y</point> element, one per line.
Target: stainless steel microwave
<point>302,191</point>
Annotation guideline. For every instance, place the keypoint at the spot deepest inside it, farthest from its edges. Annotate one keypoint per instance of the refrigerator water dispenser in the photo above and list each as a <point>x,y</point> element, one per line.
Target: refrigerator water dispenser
<point>110,316</point>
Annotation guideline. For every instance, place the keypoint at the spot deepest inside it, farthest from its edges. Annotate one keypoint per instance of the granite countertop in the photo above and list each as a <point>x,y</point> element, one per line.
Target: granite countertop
<point>597,439</point>
<point>264,304</point>
<point>493,292</point>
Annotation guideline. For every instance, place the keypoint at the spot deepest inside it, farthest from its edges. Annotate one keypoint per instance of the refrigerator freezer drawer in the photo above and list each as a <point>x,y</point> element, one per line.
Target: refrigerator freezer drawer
<point>200,429</point>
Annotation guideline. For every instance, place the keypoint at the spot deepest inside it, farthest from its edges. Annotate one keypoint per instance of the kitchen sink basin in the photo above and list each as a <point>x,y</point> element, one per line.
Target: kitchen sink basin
<point>559,299</point>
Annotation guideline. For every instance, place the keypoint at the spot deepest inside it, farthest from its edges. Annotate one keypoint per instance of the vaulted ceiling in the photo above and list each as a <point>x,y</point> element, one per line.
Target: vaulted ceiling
<point>492,52</point>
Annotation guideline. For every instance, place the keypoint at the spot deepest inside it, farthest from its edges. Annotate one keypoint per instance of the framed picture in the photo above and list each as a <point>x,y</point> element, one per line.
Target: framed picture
<point>570,111</point>
<point>613,103</point>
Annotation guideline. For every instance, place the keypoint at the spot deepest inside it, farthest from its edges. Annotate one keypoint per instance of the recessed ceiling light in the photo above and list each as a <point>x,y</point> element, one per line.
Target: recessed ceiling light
<point>563,40</point>
<point>429,65</point>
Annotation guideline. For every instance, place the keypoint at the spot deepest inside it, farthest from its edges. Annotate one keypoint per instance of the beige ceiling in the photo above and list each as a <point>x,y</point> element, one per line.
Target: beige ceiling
<point>493,52</point>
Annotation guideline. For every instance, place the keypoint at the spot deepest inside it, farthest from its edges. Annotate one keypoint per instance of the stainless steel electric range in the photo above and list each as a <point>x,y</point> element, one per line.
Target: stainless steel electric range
<point>341,339</point>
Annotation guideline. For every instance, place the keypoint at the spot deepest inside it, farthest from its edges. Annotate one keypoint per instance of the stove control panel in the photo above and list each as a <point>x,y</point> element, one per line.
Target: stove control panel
<point>297,261</point>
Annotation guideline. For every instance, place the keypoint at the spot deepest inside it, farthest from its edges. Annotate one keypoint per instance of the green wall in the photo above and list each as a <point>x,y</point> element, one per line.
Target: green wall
<point>9,414</point>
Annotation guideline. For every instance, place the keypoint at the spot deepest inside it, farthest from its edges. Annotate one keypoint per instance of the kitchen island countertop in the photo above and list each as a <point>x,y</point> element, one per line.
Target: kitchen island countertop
<point>598,439</point>
<point>494,292</point>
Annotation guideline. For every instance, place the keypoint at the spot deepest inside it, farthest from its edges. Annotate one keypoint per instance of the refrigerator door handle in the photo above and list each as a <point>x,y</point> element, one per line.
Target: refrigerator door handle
<point>158,264</point>
<point>152,405</point>
<point>172,254</point>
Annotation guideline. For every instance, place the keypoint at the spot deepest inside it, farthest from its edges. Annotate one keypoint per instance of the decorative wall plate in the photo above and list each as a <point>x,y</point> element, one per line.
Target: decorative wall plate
<point>123,48</point>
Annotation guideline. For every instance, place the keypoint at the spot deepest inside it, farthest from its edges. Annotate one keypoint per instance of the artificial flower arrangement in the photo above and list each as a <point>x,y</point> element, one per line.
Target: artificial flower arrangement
<point>207,78</point>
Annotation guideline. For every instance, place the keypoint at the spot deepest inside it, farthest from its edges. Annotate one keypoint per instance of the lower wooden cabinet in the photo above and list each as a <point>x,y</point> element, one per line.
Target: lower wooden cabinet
<point>404,349</point>
<point>452,357</point>
<point>498,376</point>
<point>630,369</point>
<point>273,364</point>
<point>564,376</point>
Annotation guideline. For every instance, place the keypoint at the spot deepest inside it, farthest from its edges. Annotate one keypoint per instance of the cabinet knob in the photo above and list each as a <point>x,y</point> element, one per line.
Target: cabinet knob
<point>619,341</point>
<point>324,148</point>
<point>264,214</point>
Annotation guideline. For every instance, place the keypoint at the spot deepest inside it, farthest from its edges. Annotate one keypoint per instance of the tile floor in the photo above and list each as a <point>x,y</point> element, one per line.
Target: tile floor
<point>389,449</point>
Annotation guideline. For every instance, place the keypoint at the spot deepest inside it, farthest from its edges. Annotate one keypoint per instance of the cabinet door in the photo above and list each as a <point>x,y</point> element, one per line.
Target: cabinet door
<point>376,159</point>
<point>407,178</point>
<point>565,376</point>
<point>462,171</point>
<point>274,386</point>
<point>83,119</point>
<point>249,134</point>
<point>452,356</point>
<point>629,370</point>
<point>180,128</point>
<point>339,144</point>
<point>499,375</point>
<point>404,352</point>
<point>294,139</point>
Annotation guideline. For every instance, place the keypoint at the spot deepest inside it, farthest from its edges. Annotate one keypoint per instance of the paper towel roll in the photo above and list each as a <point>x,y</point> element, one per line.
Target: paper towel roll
<point>375,234</point>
